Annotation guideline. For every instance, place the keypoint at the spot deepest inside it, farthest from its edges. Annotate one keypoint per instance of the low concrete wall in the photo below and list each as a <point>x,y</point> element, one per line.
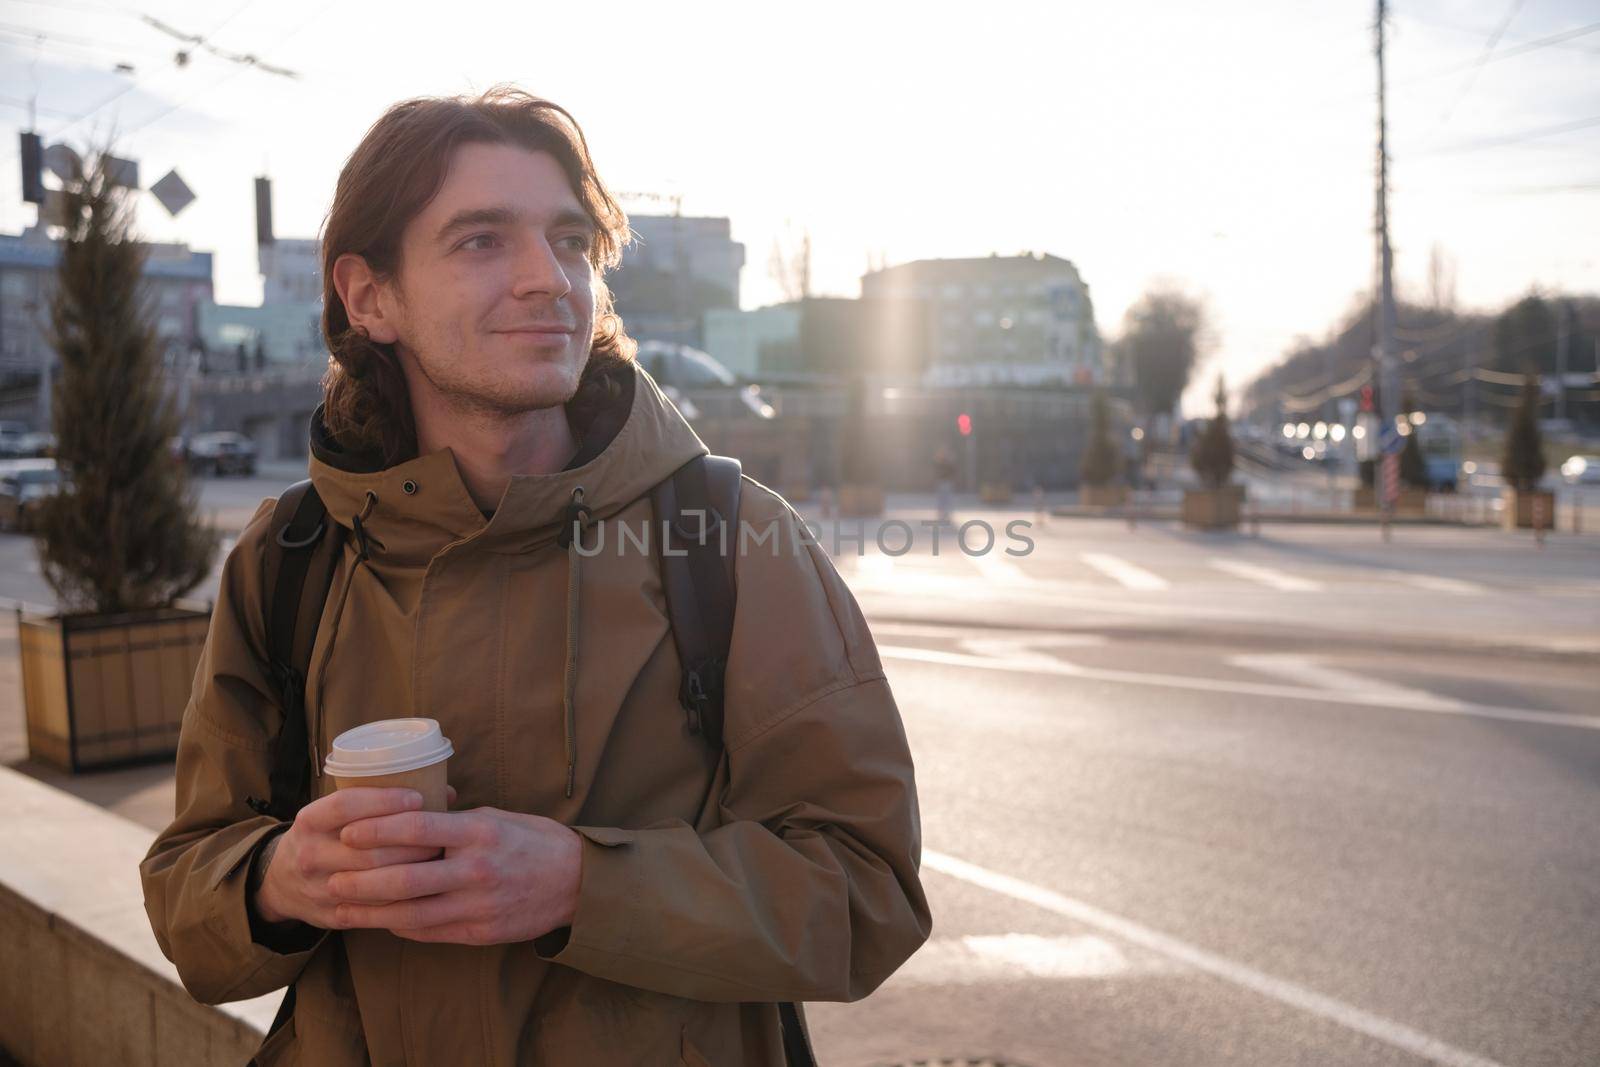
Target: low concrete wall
<point>82,981</point>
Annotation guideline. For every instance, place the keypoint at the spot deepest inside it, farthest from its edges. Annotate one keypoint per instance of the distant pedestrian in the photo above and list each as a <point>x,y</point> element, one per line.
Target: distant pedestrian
<point>944,467</point>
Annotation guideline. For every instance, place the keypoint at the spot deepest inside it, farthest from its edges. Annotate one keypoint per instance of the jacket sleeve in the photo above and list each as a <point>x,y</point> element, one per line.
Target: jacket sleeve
<point>194,874</point>
<point>809,889</point>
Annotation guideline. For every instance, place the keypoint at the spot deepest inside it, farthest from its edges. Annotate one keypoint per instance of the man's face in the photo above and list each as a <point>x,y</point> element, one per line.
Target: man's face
<point>494,304</point>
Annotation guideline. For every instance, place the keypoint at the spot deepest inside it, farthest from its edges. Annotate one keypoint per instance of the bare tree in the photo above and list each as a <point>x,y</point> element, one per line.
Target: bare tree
<point>790,266</point>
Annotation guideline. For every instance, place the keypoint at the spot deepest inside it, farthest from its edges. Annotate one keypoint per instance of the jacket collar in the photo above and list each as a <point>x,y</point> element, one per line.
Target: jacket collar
<point>627,446</point>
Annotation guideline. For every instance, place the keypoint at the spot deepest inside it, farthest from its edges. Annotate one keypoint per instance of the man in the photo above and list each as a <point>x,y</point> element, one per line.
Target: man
<point>611,889</point>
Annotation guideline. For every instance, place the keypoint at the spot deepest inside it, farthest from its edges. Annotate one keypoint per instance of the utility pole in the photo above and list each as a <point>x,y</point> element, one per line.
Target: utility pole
<point>1388,379</point>
<point>1563,339</point>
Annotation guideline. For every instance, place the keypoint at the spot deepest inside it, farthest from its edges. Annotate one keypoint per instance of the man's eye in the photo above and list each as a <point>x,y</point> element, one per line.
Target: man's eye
<point>477,237</point>
<point>576,242</point>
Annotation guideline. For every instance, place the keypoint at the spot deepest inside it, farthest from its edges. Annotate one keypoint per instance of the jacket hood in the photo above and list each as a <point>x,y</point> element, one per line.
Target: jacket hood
<point>625,447</point>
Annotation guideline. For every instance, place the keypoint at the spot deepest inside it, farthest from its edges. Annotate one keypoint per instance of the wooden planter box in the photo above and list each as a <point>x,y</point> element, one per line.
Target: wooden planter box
<point>994,493</point>
<point>860,501</point>
<point>1213,509</point>
<point>1519,509</point>
<point>1102,496</point>
<point>104,690</point>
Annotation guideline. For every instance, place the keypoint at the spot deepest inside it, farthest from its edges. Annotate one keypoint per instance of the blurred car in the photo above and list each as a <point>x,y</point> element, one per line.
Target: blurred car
<point>11,435</point>
<point>1443,473</point>
<point>222,452</point>
<point>36,445</point>
<point>681,371</point>
<point>1581,470</point>
<point>23,484</point>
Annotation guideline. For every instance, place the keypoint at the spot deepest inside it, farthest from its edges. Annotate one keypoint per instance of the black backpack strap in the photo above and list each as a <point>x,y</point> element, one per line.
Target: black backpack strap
<point>698,506</point>
<point>301,552</point>
<point>796,1041</point>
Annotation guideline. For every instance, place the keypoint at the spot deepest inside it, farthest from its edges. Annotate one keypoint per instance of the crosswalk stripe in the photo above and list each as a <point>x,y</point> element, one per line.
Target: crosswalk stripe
<point>999,571</point>
<point>1275,579</point>
<point>1437,584</point>
<point>999,957</point>
<point>1308,671</point>
<point>1120,570</point>
<point>1291,697</point>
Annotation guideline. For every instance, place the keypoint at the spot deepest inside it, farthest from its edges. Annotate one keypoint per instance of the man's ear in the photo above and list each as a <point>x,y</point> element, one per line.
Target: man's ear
<point>364,299</point>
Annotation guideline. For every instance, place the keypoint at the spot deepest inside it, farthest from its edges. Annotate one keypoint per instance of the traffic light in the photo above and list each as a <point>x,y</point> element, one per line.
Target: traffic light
<point>1366,398</point>
<point>964,424</point>
<point>32,168</point>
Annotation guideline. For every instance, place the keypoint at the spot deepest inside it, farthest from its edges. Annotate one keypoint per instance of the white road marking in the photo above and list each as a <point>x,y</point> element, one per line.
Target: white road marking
<point>1286,583</point>
<point>1285,992</point>
<point>1120,570</point>
<point>1016,957</point>
<point>1219,685</point>
<point>1017,647</point>
<point>996,568</point>
<point>1305,669</point>
<point>1435,583</point>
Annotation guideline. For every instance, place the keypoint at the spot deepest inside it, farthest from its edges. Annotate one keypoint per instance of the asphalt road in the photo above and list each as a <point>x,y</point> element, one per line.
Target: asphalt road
<point>1137,853</point>
<point>1306,798</point>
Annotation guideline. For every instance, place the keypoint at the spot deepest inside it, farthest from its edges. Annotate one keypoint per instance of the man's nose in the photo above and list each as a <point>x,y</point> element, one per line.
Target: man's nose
<point>538,270</point>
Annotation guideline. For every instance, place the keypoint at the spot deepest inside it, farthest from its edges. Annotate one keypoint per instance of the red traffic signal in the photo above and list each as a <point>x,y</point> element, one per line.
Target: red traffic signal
<point>964,424</point>
<point>1366,398</point>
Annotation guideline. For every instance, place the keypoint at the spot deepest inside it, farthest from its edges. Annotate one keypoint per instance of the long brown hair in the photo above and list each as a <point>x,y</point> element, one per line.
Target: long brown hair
<point>398,167</point>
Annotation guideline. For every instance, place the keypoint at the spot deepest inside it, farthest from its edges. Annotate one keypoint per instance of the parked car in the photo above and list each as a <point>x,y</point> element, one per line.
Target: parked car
<point>23,484</point>
<point>223,452</point>
<point>1581,470</point>
<point>36,445</point>
<point>11,435</point>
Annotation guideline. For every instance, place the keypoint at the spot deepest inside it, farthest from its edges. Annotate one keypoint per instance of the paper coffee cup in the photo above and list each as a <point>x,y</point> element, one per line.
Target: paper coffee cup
<point>394,753</point>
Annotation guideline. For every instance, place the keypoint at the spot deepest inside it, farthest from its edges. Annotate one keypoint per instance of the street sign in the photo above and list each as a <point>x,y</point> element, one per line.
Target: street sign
<point>172,192</point>
<point>1390,443</point>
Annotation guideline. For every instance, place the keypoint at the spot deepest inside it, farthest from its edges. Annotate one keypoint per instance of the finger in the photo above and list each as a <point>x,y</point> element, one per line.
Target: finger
<point>407,881</point>
<point>327,814</point>
<point>454,907</point>
<point>450,794</point>
<point>439,829</point>
<point>450,933</point>
<point>366,859</point>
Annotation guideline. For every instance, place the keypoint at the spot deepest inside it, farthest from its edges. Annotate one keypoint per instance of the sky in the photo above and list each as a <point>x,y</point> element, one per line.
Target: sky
<point>1224,148</point>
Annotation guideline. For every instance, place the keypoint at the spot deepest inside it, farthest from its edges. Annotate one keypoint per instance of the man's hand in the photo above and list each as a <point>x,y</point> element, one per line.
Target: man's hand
<point>504,877</point>
<point>309,853</point>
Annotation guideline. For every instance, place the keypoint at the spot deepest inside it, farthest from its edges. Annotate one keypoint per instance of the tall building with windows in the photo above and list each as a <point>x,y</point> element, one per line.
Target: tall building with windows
<point>176,282</point>
<point>679,268</point>
<point>1024,319</point>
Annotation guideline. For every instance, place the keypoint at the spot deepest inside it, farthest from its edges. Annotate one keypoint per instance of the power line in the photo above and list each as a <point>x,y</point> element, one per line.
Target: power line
<point>237,70</point>
<point>1483,57</point>
<point>1515,138</point>
<point>94,110</point>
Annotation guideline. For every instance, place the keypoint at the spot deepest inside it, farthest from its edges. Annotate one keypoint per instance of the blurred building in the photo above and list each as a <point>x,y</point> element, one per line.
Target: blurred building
<point>760,343</point>
<point>176,284</point>
<point>1022,320</point>
<point>291,270</point>
<point>286,330</point>
<point>823,338</point>
<point>679,269</point>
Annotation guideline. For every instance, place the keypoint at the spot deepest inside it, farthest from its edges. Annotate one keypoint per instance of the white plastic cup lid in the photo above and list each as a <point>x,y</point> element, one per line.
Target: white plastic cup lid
<point>388,746</point>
